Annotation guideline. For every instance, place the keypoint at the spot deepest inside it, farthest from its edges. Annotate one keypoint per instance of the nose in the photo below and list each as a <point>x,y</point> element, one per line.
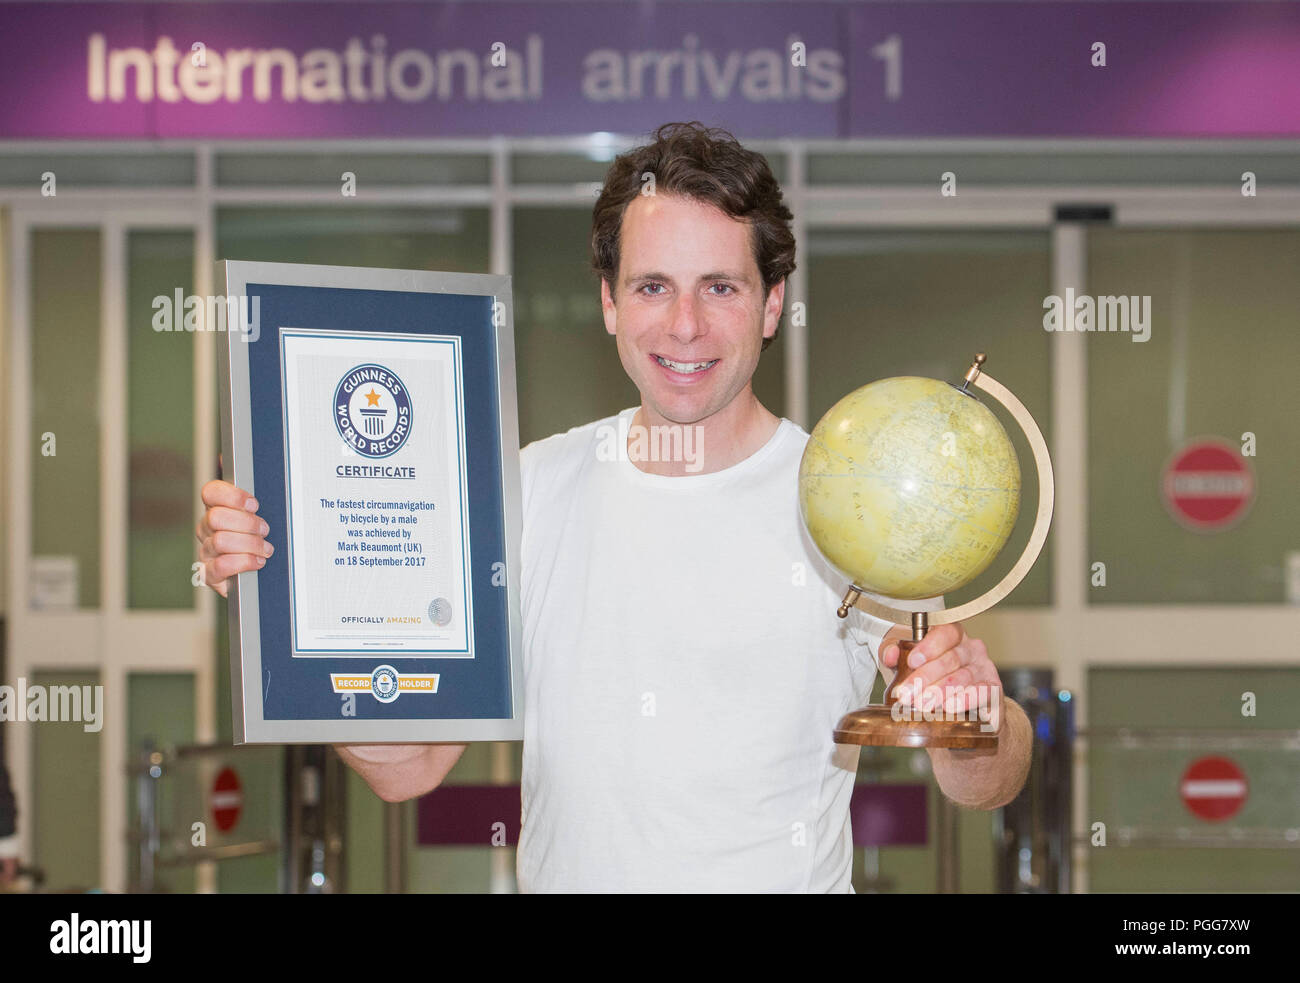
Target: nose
<point>686,324</point>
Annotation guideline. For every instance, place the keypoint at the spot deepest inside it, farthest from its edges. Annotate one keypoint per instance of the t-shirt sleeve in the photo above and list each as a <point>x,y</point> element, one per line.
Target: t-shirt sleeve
<point>863,634</point>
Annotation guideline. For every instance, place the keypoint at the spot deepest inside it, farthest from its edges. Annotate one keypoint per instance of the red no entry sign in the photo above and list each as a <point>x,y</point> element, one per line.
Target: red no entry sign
<point>227,800</point>
<point>1208,485</point>
<point>1213,788</point>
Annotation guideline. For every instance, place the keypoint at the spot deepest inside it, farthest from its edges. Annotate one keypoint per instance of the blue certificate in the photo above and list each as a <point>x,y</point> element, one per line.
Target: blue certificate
<point>372,414</point>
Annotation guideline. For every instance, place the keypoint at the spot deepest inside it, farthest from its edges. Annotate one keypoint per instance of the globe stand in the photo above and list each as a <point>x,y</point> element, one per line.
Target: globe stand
<point>892,725</point>
<point>885,726</point>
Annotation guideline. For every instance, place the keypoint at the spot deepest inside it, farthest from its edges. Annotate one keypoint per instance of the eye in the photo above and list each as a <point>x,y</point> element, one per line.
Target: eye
<point>646,287</point>
<point>724,286</point>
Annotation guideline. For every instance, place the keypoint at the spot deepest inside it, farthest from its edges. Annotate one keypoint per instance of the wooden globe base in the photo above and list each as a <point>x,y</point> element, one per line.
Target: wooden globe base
<point>875,725</point>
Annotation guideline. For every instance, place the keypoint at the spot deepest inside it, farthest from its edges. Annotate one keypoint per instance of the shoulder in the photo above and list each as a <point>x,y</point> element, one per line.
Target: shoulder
<point>795,434</point>
<point>560,457</point>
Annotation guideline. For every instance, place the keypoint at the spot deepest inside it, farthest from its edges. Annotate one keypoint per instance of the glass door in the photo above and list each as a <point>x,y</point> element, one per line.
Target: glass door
<point>109,438</point>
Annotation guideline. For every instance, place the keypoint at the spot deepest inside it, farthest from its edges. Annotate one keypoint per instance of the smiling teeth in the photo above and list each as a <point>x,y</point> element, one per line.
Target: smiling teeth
<point>684,366</point>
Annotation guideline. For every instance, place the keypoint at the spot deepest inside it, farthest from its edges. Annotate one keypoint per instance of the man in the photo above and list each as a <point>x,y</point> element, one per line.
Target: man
<point>684,665</point>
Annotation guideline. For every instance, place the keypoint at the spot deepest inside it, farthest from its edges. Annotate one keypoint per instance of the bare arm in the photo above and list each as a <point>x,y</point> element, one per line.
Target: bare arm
<point>979,778</point>
<point>397,772</point>
<point>988,779</point>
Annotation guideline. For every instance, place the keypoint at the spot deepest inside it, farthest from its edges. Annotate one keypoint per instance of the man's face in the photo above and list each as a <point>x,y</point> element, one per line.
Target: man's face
<point>688,309</point>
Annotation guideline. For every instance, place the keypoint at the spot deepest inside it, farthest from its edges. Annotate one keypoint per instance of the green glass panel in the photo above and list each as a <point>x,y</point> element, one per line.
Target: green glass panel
<point>65,815</point>
<point>1220,362</point>
<point>364,855</point>
<point>261,779</point>
<point>89,170</point>
<point>885,303</point>
<point>1138,785</point>
<point>160,709</point>
<point>447,239</point>
<point>1065,167</point>
<point>575,168</point>
<point>65,320</point>
<point>370,170</point>
<point>569,371</point>
<point>528,168</point>
<point>160,421</point>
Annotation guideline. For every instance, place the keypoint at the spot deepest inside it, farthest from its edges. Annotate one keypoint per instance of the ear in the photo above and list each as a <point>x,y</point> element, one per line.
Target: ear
<point>607,309</point>
<point>772,309</point>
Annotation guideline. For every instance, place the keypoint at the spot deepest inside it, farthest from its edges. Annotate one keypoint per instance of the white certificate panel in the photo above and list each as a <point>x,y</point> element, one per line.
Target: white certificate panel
<point>374,430</point>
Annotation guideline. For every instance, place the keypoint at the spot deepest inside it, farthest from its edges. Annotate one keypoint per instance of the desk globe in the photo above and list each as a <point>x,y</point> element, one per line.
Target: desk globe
<point>910,487</point>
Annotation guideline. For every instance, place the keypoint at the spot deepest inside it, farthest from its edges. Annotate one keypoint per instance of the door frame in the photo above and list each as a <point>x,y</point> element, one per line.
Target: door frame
<point>112,640</point>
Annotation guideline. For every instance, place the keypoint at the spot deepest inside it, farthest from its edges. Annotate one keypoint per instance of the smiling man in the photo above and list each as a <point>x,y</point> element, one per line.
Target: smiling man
<point>684,663</point>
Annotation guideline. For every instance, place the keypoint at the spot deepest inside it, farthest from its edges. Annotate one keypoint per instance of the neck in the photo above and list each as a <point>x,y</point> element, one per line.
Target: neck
<point>726,438</point>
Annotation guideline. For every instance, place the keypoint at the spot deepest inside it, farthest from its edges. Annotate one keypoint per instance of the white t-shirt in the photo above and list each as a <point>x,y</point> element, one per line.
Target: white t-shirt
<point>684,669</point>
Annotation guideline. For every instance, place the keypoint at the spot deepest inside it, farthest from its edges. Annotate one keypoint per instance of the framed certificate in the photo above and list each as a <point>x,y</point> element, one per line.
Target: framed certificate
<point>372,414</point>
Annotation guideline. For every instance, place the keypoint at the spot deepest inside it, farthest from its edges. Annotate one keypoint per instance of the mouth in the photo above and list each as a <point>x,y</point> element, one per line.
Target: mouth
<point>688,369</point>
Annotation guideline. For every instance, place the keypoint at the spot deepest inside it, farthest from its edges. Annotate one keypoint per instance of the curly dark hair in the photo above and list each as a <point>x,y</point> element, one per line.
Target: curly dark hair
<point>708,165</point>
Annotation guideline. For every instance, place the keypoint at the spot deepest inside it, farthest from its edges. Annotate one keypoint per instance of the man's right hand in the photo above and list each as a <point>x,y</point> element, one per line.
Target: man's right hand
<point>231,535</point>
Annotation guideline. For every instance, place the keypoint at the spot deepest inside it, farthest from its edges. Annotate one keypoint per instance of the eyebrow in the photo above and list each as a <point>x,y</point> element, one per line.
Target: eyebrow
<point>706,277</point>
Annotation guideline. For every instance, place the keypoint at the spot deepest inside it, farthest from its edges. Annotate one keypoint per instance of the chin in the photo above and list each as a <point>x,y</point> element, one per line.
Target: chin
<point>684,411</point>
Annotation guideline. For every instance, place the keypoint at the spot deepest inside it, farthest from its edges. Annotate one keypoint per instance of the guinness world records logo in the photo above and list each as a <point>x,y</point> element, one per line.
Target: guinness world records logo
<point>372,410</point>
<point>383,684</point>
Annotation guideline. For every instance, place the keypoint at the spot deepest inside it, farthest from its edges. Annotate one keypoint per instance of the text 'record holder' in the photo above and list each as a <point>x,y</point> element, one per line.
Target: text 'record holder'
<point>372,414</point>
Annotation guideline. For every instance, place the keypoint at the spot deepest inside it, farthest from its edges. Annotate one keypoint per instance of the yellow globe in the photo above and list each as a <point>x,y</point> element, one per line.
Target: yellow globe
<point>909,487</point>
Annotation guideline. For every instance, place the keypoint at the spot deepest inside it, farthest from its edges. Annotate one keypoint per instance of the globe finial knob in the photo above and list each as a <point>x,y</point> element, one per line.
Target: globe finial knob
<point>973,372</point>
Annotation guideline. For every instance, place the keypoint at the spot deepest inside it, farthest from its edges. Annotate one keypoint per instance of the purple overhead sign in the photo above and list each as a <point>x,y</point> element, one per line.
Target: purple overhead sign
<point>339,70</point>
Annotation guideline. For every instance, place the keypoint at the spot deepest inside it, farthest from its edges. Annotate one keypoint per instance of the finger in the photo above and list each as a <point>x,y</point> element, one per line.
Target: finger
<point>937,641</point>
<point>960,691</point>
<point>221,517</point>
<point>239,542</point>
<point>976,664</point>
<point>949,662</point>
<point>890,656</point>
<point>922,681</point>
<point>224,493</point>
<point>218,571</point>
<point>971,696</point>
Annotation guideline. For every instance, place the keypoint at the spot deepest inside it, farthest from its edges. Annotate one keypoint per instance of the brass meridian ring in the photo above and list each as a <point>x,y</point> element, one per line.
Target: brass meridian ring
<point>1042,522</point>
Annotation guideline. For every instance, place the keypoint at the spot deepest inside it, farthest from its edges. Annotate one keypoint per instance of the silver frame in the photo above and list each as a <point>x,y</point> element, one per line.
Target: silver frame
<point>249,725</point>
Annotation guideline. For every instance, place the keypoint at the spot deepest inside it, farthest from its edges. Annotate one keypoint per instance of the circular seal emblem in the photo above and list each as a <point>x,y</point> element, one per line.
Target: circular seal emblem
<point>372,410</point>
<point>440,612</point>
<point>383,684</point>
